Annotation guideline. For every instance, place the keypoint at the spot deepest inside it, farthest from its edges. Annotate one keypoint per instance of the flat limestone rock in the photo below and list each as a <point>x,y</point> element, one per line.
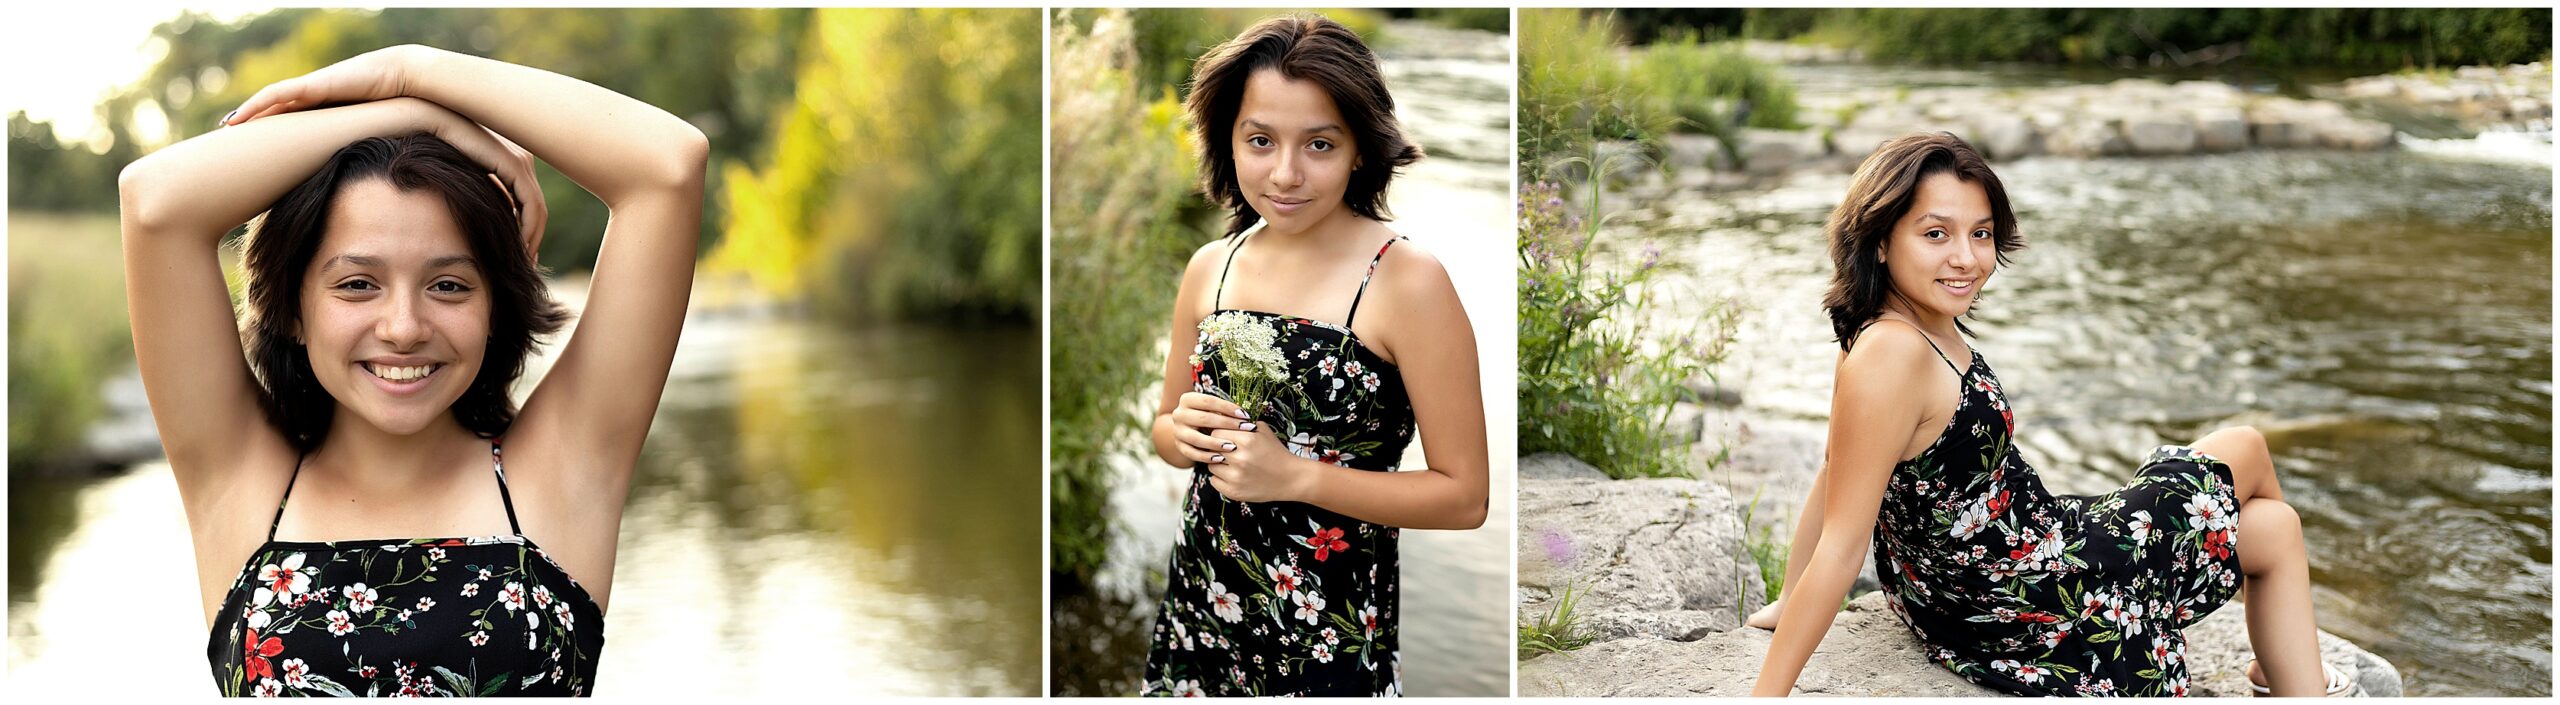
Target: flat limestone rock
<point>1655,557</point>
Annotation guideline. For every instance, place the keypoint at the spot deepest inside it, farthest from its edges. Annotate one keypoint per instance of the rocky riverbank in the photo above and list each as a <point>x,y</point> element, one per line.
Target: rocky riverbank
<point>1663,576</point>
<point>2132,117</point>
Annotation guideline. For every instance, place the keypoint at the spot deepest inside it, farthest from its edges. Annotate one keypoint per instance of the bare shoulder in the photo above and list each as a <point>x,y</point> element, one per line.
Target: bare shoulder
<point>1885,353</point>
<point>1415,276</point>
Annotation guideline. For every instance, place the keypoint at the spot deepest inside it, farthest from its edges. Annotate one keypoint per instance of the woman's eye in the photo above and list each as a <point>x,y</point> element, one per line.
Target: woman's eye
<point>357,285</point>
<point>1936,234</point>
<point>1982,234</point>
<point>448,287</point>
<point>1320,146</point>
<point>1258,142</point>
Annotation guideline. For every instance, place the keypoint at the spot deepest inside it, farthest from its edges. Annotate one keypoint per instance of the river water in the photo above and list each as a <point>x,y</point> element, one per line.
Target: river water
<point>2384,317</point>
<point>1455,102</point>
<point>818,510</point>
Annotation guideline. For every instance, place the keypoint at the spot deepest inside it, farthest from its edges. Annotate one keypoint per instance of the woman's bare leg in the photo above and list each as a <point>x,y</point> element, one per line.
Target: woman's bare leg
<point>2276,565</point>
<point>1799,550</point>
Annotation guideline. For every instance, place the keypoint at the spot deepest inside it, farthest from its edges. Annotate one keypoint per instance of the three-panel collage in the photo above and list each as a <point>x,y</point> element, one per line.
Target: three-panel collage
<point>1078,352</point>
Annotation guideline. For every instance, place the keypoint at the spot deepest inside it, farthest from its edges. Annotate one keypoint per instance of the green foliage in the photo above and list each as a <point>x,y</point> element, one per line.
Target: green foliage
<point>48,175</point>
<point>2276,37</point>
<point>1124,218</point>
<point>1167,41</point>
<point>719,69</point>
<point>1768,553</point>
<point>902,176</point>
<point>1558,630</point>
<point>67,332</point>
<point>1489,19</point>
<point>1574,88</point>
<point>1714,89</point>
<point>1578,82</point>
<point>1596,381</point>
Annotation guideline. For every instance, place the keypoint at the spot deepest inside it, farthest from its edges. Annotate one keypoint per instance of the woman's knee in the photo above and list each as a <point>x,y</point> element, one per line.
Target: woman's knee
<point>2270,535</point>
<point>2245,450</point>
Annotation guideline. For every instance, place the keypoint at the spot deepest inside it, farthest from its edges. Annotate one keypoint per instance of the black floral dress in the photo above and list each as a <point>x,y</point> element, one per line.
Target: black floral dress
<point>1285,598</point>
<point>2028,592</point>
<point>472,616</point>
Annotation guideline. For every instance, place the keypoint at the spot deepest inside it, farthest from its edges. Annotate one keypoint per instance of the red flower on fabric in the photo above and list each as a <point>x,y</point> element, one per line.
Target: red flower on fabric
<point>256,653</point>
<point>2000,502</point>
<point>1326,542</point>
<point>2217,544</point>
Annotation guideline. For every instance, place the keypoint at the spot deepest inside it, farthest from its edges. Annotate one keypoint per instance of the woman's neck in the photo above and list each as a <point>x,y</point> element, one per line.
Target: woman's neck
<point>1937,326</point>
<point>363,453</point>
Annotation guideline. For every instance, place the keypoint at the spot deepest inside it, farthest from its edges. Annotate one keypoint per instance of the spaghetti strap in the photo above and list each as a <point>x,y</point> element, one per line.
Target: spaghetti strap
<point>1364,282</point>
<point>1221,294</point>
<point>498,464</point>
<point>1924,337</point>
<point>288,495</point>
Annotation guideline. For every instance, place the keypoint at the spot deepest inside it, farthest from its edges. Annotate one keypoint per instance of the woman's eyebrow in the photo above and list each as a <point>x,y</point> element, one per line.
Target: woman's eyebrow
<point>450,260</point>
<point>1257,124</point>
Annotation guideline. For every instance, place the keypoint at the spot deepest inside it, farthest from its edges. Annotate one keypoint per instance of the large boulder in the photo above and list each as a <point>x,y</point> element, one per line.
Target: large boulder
<point>1869,652</point>
<point>1654,558</point>
<point>2160,134</point>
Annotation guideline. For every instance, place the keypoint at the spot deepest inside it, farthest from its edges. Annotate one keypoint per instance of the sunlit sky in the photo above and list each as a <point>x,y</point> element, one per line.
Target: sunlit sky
<point>62,57</point>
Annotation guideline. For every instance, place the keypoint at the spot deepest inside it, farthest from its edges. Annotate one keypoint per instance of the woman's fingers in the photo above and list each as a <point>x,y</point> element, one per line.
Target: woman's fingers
<point>1195,418</point>
<point>374,75</point>
<point>524,185</point>
<point>1213,405</point>
<point>1193,438</point>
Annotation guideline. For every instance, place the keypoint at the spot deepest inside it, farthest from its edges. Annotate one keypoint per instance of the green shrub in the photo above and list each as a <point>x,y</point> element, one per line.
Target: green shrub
<point>67,332</point>
<point>1574,88</point>
<point>1596,380</point>
<point>1123,220</point>
<point>1714,88</point>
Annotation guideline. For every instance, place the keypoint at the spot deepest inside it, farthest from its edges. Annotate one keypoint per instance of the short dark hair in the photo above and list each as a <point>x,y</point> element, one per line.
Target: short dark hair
<point>1879,195</point>
<point>1304,47</point>
<point>283,241</point>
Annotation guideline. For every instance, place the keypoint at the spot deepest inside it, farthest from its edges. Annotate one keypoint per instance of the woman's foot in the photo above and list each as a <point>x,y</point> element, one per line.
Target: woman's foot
<point>2338,685</point>
<point>1766,618</point>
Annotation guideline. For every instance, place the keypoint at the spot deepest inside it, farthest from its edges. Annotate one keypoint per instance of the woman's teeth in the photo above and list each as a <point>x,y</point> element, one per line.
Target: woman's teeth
<point>400,374</point>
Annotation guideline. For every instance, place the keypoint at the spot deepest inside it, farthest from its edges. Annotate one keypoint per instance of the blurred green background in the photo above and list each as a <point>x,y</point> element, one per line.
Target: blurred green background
<point>847,454</point>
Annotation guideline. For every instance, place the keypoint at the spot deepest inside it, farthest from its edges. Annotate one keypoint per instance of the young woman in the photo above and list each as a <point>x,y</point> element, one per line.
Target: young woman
<point>357,529</point>
<point>2008,585</point>
<point>1283,581</point>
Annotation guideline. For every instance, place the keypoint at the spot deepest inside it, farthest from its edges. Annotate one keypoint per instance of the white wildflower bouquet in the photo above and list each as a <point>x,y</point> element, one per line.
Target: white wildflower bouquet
<point>1250,350</point>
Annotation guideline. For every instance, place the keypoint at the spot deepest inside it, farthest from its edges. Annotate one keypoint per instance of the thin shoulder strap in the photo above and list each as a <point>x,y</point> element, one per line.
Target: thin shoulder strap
<point>1924,337</point>
<point>1221,294</point>
<point>1364,281</point>
<point>288,495</point>
<point>498,463</point>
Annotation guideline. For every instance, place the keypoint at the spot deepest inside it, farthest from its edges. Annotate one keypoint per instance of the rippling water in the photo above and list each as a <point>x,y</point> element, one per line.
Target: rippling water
<point>1456,589</point>
<point>2384,317</point>
<point>818,510</point>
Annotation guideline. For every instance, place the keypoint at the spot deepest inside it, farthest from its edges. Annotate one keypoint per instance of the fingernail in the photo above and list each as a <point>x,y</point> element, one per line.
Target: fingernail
<point>1248,426</point>
<point>226,118</point>
<point>1240,414</point>
<point>1217,458</point>
<point>1231,446</point>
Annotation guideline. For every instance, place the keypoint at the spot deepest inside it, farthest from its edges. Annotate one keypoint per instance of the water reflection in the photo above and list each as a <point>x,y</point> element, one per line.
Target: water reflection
<point>2385,317</point>
<point>819,510</point>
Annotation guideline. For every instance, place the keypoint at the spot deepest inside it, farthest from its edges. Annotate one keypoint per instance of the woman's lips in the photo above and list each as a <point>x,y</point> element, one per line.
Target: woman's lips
<point>1285,206</point>
<point>402,380</point>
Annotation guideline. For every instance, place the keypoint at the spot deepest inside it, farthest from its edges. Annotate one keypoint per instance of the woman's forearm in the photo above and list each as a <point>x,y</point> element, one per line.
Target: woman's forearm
<point>1808,613</point>
<point>613,145</point>
<point>203,187</point>
<point>1430,498</point>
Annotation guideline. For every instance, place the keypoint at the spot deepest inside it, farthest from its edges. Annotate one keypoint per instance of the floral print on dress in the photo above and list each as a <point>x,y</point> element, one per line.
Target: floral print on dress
<point>2028,592</point>
<point>425,617</point>
<point>1285,598</point>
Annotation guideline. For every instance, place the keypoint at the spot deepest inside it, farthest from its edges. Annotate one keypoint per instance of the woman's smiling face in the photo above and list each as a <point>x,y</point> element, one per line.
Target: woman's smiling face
<point>1293,152</point>
<point>1942,250</point>
<point>395,311</point>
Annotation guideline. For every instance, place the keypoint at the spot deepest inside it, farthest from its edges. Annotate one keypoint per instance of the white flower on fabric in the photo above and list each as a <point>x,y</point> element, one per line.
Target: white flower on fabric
<point>1310,605</point>
<point>340,624</point>
<point>1227,605</point>
<point>361,598</point>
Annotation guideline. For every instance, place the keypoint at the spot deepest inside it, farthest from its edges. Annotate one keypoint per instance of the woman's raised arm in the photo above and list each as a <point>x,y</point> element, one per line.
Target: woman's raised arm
<point>647,167</point>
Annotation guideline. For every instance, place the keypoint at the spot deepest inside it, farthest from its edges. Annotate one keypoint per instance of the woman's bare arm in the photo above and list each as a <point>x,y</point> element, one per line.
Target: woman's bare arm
<point>1417,309</point>
<point>1874,409</point>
